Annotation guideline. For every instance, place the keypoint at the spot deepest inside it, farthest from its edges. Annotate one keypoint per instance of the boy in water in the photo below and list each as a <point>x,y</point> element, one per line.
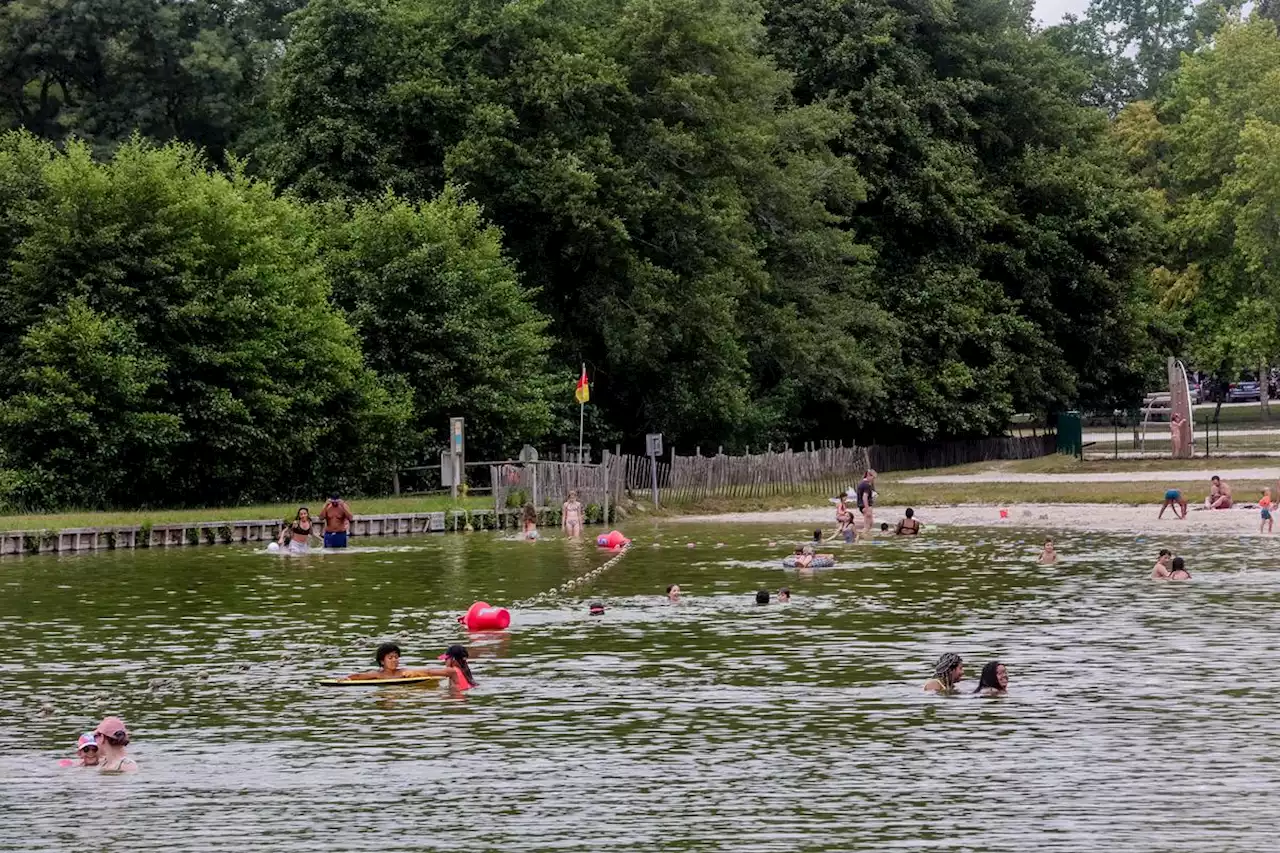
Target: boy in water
<point>571,515</point>
<point>1160,571</point>
<point>1048,555</point>
<point>1265,505</point>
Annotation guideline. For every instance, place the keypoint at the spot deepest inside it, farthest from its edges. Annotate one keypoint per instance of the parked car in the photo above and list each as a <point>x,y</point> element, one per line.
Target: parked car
<point>1244,391</point>
<point>1197,392</point>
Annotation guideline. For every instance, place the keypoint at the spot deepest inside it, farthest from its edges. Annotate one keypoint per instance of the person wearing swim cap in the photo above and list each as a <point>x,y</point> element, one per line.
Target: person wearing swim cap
<point>86,752</point>
<point>947,673</point>
<point>994,680</point>
<point>112,737</point>
<point>388,657</point>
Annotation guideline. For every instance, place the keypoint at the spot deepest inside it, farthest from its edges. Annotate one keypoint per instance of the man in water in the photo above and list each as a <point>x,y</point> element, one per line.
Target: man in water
<point>866,495</point>
<point>337,519</point>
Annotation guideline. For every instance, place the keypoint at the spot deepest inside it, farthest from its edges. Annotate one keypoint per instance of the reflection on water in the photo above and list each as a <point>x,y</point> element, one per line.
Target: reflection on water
<point>1140,715</point>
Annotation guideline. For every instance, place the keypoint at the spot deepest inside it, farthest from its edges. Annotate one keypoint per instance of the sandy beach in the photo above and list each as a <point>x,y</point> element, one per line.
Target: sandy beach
<point>1116,518</point>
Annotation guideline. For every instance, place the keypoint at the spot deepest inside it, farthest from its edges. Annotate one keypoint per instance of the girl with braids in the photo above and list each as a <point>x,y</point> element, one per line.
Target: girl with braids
<point>994,680</point>
<point>947,673</point>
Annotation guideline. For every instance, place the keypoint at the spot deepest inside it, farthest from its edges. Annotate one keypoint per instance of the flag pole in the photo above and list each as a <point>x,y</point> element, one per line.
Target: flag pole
<point>582,408</point>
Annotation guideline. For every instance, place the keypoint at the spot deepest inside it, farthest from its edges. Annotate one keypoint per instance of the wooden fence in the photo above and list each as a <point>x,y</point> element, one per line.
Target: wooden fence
<point>944,454</point>
<point>547,484</point>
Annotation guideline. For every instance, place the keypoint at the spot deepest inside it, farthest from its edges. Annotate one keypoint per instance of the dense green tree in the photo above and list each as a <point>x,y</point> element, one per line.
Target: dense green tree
<point>438,305</point>
<point>1219,170</point>
<point>1005,234</point>
<point>149,291</point>
<point>676,215</point>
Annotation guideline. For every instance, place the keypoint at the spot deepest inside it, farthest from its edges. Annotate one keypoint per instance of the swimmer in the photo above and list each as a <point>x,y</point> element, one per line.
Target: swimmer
<point>1048,555</point>
<point>530,519</point>
<point>1160,571</point>
<point>817,536</point>
<point>762,596</point>
<point>86,752</point>
<point>803,556</point>
<point>994,680</point>
<point>571,516</point>
<point>296,535</point>
<point>673,592</point>
<point>1264,504</point>
<point>1219,494</point>
<point>947,673</point>
<point>884,527</point>
<point>784,594</point>
<point>388,657</point>
<point>908,525</point>
<point>1173,498</point>
<point>1178,570</point>
<point>844,518</point>
<point>112,737</point>
<point>595,608</point>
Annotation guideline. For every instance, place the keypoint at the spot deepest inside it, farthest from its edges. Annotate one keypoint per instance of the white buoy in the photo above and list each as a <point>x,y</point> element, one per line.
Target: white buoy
<point>273,547</point>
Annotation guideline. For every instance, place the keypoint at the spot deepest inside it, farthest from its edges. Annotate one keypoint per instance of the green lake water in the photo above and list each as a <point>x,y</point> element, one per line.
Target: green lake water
<point>1141,715</point>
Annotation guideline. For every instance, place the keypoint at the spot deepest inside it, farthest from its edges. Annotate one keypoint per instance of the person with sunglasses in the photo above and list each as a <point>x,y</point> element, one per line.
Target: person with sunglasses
<point>86,753</point>
<point>112,737</point>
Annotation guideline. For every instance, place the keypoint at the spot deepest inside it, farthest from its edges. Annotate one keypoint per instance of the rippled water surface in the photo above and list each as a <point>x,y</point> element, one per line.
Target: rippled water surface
<point>1141,715</point>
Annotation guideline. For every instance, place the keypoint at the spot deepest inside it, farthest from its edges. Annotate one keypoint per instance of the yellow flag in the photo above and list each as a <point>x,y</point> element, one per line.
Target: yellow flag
<point>583,392</point>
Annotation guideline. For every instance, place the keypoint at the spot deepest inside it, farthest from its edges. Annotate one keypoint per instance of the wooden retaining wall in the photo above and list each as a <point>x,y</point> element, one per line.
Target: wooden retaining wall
<point>78,539</point>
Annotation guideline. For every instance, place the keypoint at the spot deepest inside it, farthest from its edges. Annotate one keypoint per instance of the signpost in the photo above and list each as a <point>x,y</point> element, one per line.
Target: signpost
<point>653,446</point>
<point>456,456</point>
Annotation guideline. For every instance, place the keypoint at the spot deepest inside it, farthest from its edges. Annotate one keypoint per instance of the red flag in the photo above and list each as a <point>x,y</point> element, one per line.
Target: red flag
<point>583,393</point>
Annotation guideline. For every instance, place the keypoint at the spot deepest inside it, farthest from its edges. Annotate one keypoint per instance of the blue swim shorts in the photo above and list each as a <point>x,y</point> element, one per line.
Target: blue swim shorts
<point>335,540</point>
<point>1173,495</point>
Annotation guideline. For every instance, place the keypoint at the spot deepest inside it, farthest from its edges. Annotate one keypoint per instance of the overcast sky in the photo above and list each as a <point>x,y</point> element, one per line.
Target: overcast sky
<point>1051,11</point>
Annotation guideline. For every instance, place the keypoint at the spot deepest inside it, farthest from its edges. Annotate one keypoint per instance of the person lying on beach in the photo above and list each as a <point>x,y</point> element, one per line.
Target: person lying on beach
<point>1219,494</point>
<point>1048,555</point>
<point>388,657</point>
<point>1173,498</point>
<point>1160,571</point>
<point>994,680</point>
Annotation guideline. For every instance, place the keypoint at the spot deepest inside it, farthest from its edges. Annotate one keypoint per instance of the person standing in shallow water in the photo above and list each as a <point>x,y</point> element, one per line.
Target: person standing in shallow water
<point>866,497</point>
<point>571,516</point>
<point>337,518</point>
<point>947,673</point>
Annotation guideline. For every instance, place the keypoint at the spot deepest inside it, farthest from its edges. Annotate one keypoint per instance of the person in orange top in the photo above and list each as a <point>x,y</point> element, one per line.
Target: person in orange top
<point>1265,506</point>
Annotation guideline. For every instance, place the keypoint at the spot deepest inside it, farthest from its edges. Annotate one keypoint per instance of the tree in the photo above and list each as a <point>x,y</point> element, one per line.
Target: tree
<point>1220,127</point>
<point>676,214</point>
<point>1004,234</point>
<point>201,297</point>
<point>438,305</point>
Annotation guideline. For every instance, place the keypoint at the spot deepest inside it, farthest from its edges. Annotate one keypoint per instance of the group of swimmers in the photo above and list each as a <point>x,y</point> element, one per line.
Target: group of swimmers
<point>455,669</point>
<point>948,672</point>
<point>104,748</point>
<point>864,496</point>
<point>295,536</point>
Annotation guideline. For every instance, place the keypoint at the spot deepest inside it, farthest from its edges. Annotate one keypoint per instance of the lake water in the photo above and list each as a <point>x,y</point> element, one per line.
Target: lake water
<point>1141,715</point>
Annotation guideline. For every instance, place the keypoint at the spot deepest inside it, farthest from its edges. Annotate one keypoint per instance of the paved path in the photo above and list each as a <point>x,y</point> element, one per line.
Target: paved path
<point>1170,476</point>
<point>1162,434</point>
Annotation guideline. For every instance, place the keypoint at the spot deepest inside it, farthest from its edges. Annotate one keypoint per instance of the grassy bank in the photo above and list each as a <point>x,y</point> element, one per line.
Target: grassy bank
<point>372,506</point>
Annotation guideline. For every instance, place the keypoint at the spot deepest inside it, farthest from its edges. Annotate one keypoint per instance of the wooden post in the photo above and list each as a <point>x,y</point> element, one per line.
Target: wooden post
<point>604,468</point>
<point>395,481</point>
<point>533,470</point>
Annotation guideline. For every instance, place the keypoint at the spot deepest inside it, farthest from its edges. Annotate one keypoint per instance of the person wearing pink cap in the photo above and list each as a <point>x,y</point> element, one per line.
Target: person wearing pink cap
<point>112,737</point>
<point>86,752</point>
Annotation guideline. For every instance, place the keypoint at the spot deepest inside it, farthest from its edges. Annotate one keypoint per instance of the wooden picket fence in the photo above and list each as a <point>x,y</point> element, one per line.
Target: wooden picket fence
<point>547,484</point>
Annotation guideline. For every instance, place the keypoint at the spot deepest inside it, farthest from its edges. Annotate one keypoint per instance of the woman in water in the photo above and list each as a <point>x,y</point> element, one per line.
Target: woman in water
<point>673,593</point>
<point>994,680</point>
<point>1178,570</point>
<point>947,673</point>
<point>530,517</point>
<point>112,737</point>
<point>571,516</point>
<point>296,536</point>
<point>388,657</point>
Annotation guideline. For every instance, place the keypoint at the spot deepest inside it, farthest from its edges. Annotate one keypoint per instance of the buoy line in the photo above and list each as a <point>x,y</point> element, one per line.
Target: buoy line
<point>576,582</point>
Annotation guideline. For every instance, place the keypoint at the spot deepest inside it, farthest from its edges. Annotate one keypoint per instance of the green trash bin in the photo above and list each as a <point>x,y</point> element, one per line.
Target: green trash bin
<point>1070,433</point>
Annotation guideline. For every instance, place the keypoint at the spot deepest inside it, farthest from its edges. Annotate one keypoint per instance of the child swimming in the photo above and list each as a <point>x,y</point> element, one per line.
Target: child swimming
<point>1048,555</point>
<point>530,519</point>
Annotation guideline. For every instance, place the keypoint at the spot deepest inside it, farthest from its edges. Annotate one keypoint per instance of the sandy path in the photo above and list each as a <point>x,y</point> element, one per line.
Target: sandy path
<point>1170,476</point>
<point>1105,517</point>
<point>1162,434</point>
